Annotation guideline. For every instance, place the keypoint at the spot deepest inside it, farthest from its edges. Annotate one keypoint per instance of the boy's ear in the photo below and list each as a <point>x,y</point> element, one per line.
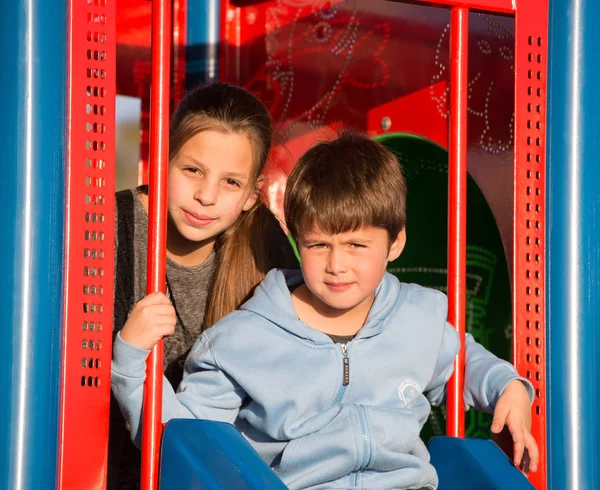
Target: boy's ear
<point>397,246</point>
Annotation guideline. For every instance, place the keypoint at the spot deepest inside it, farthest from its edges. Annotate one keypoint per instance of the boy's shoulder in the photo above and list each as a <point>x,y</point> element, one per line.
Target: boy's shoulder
<point>263,313</point>
<point>413,293</point>
<point>239,328</point>
<point>400,304</point>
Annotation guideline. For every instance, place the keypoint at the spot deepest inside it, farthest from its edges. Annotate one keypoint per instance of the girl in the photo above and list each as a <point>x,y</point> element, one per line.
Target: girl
<point>221,239</point>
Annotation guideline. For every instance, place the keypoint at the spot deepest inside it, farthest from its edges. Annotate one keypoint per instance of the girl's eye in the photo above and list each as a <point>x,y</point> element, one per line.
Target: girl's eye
<point>192,170</point>
<point>233,183</point>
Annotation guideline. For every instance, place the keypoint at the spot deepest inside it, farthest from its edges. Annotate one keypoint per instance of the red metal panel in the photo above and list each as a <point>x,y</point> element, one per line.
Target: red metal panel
<point>157,231</point>
<point>529,214</point>
<point>88,246</point>
<point>498,6</point>
<point>457,211</point>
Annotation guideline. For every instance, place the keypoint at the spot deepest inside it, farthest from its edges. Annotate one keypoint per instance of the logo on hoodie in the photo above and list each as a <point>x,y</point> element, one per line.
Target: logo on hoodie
<point>408,391</point>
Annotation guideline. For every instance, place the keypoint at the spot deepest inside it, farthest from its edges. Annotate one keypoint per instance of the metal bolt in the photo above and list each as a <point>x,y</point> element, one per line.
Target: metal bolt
<point>386,123</point>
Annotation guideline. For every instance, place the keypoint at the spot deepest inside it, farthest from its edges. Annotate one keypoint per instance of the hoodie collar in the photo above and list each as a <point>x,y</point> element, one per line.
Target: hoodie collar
<point>273,300</point>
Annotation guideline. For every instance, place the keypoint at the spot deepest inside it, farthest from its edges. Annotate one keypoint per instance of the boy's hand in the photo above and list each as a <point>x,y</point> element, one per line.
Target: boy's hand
<point>513,409</point>
<point>150,320</point>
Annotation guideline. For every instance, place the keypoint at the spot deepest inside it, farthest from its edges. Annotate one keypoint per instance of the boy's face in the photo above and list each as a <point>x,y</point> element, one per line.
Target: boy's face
<point>342,271</point>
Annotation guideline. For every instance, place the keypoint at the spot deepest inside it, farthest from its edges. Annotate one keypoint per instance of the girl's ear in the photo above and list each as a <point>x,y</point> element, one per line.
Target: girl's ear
<point>253,195</point>
<point>397,246</point>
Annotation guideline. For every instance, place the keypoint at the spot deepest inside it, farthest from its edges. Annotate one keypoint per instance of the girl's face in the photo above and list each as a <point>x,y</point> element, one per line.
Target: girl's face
<point>209,184</point>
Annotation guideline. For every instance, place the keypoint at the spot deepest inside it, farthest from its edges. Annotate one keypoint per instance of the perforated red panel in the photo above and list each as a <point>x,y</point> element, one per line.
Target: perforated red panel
<point>531,25</point>
<point>89,246</point>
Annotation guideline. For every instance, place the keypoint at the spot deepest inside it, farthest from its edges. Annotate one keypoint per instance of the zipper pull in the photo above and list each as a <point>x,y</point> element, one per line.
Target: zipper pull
<point>346,361</point>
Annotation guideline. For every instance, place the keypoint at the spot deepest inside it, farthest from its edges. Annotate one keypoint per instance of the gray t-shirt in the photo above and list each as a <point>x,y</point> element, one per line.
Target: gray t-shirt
<point>189,289</point>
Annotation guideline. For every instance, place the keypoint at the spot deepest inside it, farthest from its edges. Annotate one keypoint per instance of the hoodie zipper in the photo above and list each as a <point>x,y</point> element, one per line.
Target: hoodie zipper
<point>345,374</point>
<point>346,365</point>
<point>366,450</point>
<point>365,435</point>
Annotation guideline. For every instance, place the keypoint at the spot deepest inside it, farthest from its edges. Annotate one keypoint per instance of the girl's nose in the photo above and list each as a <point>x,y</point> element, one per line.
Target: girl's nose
<point>207,194</point>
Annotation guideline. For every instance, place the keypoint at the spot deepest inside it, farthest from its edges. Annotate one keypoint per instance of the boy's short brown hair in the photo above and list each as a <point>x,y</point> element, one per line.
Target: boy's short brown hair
<point>342,185</point>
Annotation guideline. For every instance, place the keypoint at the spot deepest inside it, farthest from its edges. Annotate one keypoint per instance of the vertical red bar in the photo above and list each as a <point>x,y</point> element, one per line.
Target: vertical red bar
<point>157,231</point>
<point>457,211</point>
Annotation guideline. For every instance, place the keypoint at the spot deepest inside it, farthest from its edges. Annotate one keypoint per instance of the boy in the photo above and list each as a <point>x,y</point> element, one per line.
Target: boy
<point>329,372</point>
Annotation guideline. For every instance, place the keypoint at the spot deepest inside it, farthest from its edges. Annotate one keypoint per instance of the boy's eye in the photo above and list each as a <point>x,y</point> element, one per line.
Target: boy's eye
<point>317,245</point>
<point>357,245</point>
<point>192,170</point>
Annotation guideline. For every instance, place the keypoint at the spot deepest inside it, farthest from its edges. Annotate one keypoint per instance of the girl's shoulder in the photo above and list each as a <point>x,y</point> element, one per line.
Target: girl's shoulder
<point>130,207</point>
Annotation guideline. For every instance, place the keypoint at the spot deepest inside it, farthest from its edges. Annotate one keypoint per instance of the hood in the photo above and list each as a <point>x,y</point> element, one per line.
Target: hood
<point>272,300</point>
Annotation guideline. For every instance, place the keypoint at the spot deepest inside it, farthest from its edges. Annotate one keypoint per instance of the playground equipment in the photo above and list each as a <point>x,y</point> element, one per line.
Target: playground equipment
<point>58,130</point>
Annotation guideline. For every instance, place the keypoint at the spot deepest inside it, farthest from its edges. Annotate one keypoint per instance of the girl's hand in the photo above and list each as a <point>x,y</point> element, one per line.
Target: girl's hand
<point>151,319</point>
<point>513,409</point>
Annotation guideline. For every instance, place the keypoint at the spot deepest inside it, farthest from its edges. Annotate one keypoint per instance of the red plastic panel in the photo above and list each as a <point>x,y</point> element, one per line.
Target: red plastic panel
<point>89,246</point>
<point>529,214</point>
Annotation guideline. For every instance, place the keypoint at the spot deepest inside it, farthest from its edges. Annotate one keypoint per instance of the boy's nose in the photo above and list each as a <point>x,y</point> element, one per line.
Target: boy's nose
<point>207,194</point>
<point>336,263</point>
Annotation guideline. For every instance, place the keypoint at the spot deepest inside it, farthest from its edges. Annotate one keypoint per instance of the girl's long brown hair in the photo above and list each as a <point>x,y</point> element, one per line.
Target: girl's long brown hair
<point>255,243</point>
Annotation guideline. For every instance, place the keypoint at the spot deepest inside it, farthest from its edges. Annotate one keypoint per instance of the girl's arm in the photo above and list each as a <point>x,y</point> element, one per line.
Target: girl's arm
<point>206,392</point>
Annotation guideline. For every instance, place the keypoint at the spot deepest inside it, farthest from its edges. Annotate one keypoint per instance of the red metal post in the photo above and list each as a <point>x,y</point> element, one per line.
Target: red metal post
<point>457,211</point>
<point>157,232</point>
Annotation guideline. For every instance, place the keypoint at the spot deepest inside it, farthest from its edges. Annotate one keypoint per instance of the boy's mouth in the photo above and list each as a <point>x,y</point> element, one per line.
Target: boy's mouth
<point>338,286</point>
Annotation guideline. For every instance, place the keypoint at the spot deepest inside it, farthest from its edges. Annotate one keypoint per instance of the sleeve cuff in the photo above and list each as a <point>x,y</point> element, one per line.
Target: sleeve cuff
<point>500,377</point>
<point>129,360</point>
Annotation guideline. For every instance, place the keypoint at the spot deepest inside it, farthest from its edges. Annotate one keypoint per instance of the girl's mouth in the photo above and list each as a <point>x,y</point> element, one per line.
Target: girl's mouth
<point>198,220</point>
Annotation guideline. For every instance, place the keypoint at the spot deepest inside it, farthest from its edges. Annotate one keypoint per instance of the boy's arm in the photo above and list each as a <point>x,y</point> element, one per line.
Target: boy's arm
<point>491,385</point>
<point>205,392</point>
<point>486,376</point>
<point>444,367</point>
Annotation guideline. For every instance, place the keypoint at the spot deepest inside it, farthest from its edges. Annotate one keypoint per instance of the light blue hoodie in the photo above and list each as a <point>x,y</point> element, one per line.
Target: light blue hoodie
<point>281,383</point>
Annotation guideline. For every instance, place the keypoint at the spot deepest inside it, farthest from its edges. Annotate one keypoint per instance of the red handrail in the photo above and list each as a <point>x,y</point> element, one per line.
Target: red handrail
<point>457,211</point>
<point>157,231</point>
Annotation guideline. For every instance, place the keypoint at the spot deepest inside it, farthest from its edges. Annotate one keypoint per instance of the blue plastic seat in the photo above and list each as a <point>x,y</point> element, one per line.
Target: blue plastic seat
<point>205,455</point>
<point>474,464</point>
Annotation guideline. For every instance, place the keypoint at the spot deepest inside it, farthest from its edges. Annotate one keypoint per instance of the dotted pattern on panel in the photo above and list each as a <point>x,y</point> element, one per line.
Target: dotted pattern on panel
<point>89,248</point>
<point>531,27</point>
<point>95,198</point>
<point>535,178</point>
